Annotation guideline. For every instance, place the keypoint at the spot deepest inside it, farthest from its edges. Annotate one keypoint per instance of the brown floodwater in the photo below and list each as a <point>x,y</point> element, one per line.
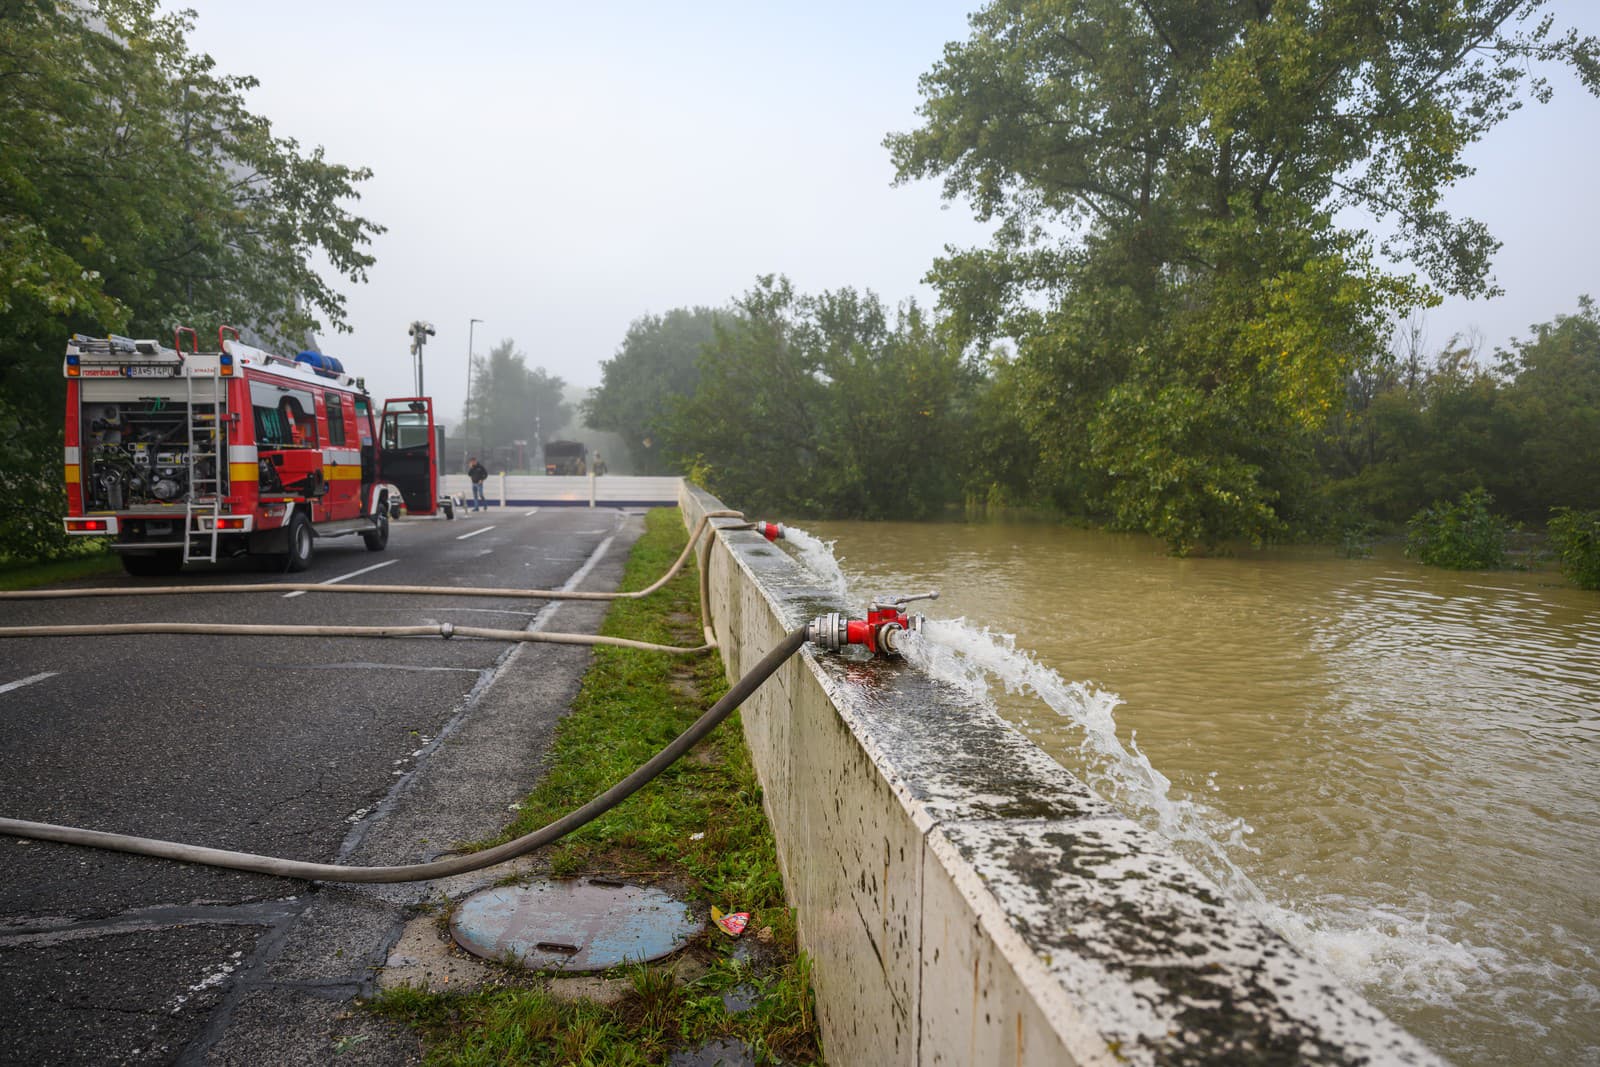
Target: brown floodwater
<point>1394,765</point>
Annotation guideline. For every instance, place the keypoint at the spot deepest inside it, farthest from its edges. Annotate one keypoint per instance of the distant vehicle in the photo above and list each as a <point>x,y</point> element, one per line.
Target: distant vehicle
<point>565,457</point>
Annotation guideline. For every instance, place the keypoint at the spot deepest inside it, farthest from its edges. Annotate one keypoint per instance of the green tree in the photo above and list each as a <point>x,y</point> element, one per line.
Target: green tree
<point>511,402</point>
<point>1002,470</point>
<point>1430,435</point>
<point>753,421</point>
<point>655,364</point>
<point>1554,394</point>
<point>893,417</point>
<point>137,192</point>
<point>1165,176</point>
<point>826,405</point>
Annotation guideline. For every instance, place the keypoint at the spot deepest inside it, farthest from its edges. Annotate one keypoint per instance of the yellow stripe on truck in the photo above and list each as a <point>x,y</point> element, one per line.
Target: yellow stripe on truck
<point>348,472</point>
<point>243,472</point>
<point>73,477</point>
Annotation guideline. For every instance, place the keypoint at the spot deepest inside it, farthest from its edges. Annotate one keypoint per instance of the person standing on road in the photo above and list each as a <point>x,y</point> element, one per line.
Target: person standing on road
<point>479,474</point>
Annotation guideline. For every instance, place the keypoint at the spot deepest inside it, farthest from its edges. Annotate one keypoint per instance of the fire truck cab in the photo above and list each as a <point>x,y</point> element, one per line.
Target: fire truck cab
<point>180,456</point>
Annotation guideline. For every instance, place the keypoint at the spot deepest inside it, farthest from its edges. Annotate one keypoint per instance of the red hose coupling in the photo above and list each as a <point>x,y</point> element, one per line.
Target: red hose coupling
<point>772,531</point>
<point>879,632</point>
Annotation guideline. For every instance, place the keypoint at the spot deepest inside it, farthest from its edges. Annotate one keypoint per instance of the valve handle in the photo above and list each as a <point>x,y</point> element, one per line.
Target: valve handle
<point>902,601</point>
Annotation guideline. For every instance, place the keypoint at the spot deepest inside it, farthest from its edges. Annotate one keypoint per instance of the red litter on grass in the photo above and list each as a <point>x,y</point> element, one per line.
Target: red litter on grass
<point>730,923</point>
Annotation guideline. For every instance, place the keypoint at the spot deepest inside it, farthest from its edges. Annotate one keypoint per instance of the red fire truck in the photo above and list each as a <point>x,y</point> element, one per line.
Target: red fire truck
<point>181,455</point>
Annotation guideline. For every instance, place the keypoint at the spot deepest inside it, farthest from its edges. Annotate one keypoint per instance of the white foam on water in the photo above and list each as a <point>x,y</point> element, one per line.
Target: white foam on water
<point>1413,955</point>
<point>958,653</point>
<point>1418,958</point>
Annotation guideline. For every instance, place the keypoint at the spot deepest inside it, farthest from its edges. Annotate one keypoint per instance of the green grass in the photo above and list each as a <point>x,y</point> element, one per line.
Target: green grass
<point>30,575</point>
<point>630,705</point>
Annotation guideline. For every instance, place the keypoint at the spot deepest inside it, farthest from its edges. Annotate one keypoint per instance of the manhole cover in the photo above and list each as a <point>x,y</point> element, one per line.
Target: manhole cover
<point>573,926</point>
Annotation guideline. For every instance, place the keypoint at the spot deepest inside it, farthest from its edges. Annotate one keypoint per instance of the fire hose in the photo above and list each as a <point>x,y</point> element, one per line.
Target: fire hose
<point>879,633</point>
<point>416,872</point>
<point>446,630</point>
<point>412,590</point>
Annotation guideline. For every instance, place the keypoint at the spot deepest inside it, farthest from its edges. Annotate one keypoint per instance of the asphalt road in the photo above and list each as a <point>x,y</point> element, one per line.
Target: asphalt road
<point>337,750</point>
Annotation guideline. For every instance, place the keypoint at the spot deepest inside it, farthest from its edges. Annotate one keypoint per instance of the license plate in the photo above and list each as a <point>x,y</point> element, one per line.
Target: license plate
<point>148,372</point>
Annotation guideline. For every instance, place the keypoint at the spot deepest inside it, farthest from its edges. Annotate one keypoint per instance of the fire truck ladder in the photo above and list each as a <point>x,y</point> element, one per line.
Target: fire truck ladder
<point>205,491</point>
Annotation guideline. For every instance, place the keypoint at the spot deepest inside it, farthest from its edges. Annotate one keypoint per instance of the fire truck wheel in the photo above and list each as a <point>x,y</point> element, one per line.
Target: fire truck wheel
<point>160,564</point>
<point>379,537</point>
<point>302,543</point>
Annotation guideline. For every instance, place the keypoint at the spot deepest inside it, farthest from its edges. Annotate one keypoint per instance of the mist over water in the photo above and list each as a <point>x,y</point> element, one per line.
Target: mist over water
<point>1392,766</point>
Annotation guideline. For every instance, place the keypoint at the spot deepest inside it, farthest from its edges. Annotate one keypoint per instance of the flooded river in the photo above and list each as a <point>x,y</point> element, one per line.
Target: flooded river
<point>1395,766</point>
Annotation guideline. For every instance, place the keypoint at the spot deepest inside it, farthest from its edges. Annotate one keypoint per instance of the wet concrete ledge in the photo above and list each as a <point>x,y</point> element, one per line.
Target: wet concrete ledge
<point>966,900</point>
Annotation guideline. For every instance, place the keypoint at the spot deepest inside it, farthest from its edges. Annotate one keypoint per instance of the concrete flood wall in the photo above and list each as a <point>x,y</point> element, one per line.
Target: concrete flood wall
<point>966,900</point>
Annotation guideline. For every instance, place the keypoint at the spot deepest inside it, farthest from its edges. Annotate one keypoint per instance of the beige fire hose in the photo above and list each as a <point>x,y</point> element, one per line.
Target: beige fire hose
<point>287,868</point>
<point>410,590</point>
<point>417,872</point>
<point>441,630</point>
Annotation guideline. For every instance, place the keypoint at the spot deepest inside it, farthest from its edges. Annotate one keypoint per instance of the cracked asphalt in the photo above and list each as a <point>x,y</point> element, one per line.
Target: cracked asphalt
<point>337,750</point>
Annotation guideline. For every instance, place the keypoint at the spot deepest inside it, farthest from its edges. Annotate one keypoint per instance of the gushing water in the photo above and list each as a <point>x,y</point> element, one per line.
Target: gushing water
<point>1404,951</point>
<point>965,656</point>
<point>817,557</point>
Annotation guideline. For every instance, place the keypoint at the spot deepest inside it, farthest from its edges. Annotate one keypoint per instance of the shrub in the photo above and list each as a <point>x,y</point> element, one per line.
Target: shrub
<point>32,484</point>
<point>1463,536</point>
<point>1355,539</point>
<point>1575,535</point>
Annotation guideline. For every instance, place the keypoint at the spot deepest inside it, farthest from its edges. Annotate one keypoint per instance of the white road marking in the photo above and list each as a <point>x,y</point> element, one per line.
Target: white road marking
<point>344,577</point>
<point>496,611</point>
<point>530,514</point>
<point>358,666</point>
<point>475,533</point>
<point>20,682</point>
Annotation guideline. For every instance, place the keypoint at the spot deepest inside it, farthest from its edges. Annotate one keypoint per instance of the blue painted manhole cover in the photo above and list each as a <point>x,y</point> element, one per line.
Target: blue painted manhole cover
<point>573,926</point>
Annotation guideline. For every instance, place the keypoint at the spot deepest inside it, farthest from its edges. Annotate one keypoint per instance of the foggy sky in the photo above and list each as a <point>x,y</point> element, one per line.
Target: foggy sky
<point>558,171</point>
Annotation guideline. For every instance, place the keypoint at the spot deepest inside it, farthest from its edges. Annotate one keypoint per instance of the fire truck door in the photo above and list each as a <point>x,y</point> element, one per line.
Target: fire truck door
<point>406,453</point>
<point>341,459</point>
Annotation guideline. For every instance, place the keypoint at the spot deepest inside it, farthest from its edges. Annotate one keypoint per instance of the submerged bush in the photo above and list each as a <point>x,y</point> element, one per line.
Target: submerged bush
<point>1575,535</point>
<point>1463,536</point>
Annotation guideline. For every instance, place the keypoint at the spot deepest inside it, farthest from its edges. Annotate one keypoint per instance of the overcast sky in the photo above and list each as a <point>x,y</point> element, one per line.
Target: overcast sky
<point>559,170</point>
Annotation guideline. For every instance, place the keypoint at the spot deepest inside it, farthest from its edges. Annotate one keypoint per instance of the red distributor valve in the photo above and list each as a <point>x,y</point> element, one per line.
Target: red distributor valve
<point>879,632</point>
<point>772,531</point>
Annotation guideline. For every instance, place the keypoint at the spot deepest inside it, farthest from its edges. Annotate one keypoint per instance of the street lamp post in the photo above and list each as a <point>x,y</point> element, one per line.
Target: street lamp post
<point>420,332</point>
<point>467,413</point>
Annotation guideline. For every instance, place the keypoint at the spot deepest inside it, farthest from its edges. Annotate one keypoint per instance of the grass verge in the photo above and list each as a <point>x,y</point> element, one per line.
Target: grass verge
<point>698,829</point>
<point>30,575</point>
